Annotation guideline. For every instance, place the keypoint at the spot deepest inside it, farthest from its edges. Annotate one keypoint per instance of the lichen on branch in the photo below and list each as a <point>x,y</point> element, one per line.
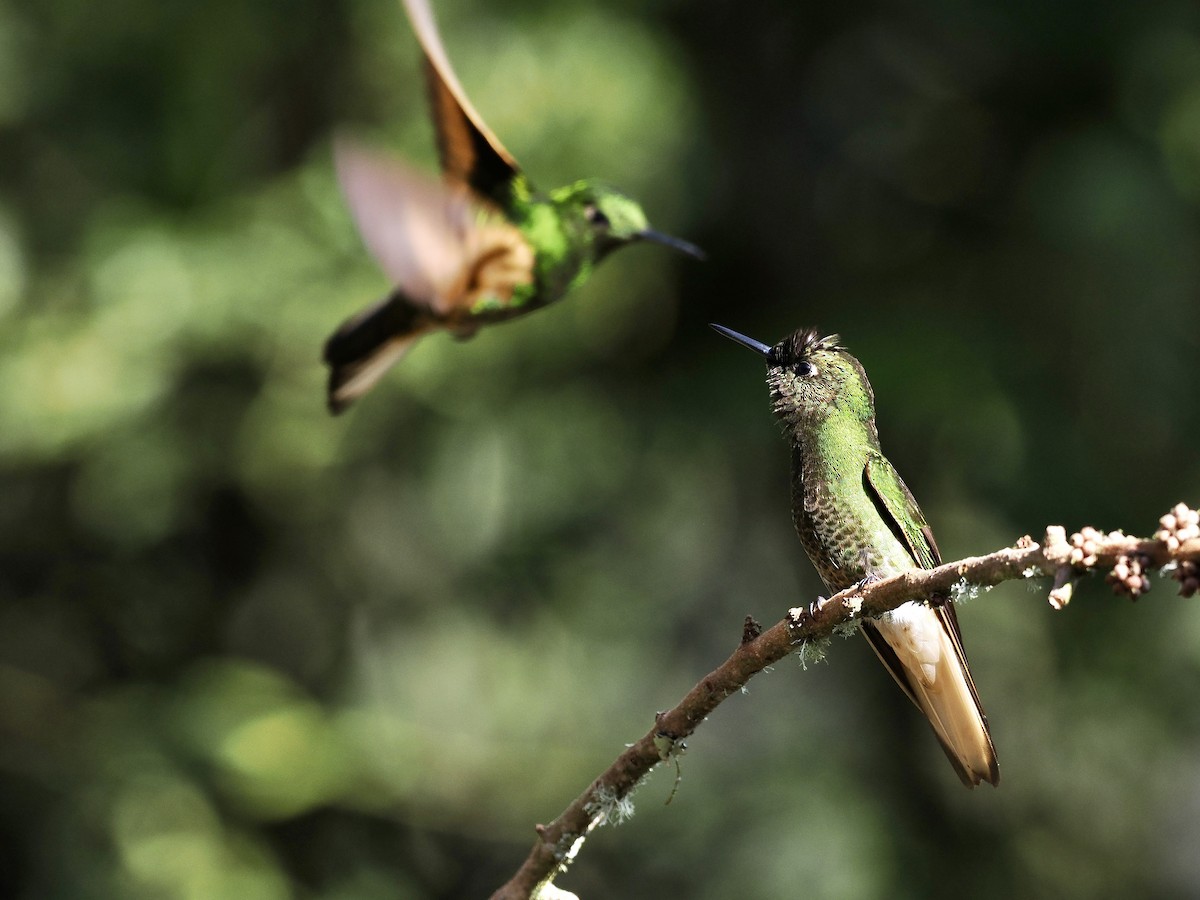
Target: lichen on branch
<point>1125,561</point>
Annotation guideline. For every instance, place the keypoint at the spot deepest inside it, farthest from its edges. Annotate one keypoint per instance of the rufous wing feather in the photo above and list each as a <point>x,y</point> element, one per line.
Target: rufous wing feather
<point>444,253</point>
<point>423,234</point>
<point>470,153</point>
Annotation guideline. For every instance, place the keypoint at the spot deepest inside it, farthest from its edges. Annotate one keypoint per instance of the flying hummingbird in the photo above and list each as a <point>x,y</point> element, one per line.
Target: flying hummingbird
<point>482,246</point>
<point>857,521</point>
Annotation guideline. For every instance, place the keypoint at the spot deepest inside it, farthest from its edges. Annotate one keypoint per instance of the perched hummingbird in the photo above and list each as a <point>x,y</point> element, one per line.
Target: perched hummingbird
<point>482,246</point>
<point>858,521</point>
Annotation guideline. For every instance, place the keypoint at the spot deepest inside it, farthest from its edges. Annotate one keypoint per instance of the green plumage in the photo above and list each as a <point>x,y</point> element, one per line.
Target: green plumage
<point>482,247</point>
<point>857,520</point>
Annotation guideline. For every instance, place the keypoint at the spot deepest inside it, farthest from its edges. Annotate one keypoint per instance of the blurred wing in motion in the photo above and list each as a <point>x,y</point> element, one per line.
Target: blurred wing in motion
<point>471,154</point>
<point>440,248</point>
<point>443,252</point>
<point>417,229</point>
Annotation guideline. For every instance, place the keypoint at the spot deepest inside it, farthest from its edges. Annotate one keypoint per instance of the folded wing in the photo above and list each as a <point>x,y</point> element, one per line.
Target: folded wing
<point>922,646</point>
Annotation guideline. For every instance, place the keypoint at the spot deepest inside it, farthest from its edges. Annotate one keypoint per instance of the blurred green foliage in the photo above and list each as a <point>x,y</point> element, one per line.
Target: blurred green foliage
<point>250,651</point>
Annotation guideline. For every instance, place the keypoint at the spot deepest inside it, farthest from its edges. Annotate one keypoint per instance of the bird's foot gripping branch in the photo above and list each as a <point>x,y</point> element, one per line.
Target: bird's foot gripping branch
<point>1173,550</point>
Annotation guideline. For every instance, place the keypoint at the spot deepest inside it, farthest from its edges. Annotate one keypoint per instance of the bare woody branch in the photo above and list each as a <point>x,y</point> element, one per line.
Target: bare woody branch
<point>1175,548</point>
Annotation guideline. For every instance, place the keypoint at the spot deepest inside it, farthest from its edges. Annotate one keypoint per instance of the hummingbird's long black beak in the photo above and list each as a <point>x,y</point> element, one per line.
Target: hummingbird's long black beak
<point>757,346</point>
<point>649,234</point>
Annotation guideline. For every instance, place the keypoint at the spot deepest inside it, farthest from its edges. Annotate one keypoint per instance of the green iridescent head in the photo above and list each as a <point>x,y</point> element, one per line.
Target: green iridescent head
<point>812,378</point>
<point>613,218</point>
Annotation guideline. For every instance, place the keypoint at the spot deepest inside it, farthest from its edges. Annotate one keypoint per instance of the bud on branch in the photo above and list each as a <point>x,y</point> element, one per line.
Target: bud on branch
<point>1174,550</point>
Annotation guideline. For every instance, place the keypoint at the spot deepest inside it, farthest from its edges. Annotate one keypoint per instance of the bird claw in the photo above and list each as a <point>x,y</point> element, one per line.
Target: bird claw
<point>867,581</point>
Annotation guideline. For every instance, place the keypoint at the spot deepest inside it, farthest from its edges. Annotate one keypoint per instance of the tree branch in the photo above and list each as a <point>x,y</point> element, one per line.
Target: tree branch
<point>1175,547</point>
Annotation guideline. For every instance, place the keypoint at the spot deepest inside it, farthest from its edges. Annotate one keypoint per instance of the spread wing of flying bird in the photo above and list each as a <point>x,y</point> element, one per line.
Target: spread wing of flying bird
<point>442,250</point>
<point>478,248</point>
<point>438,246</point>
<point>470,153</point>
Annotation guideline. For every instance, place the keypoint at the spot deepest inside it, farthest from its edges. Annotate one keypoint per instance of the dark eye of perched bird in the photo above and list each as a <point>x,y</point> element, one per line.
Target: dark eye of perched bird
<point>806,369</point>
<point>594,215</point>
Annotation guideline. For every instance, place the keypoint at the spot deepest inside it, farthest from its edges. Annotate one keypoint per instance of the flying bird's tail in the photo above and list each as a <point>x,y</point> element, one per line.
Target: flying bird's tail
<point>369,343</point>
<point>921,648</point>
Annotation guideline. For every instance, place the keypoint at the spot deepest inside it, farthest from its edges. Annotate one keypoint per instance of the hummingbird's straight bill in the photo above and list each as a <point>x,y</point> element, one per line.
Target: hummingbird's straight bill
<point>857,520</point>
<point>480,246</point>
<point>757,346</point>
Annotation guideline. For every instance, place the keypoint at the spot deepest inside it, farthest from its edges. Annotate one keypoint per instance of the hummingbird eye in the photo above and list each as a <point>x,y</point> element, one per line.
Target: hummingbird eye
<point>806,369</point>
<point>593,214</point>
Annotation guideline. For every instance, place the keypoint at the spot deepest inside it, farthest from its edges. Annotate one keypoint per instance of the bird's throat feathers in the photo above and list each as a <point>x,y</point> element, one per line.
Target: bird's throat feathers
<point>819,392</point>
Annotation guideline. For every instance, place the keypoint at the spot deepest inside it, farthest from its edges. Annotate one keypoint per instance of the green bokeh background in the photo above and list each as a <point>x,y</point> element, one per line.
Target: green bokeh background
<point>250,651</point>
